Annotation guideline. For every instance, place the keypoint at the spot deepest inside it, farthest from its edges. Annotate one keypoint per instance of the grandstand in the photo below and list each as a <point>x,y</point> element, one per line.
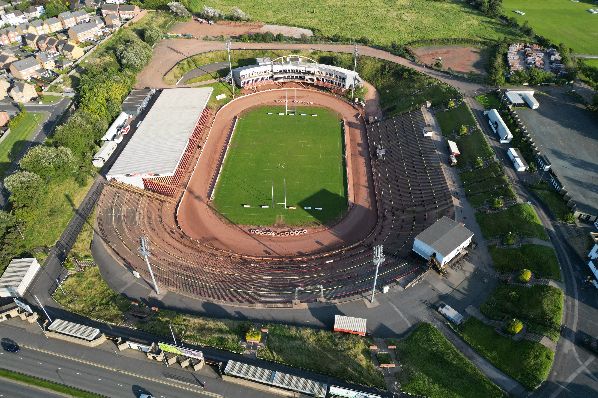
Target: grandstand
<point>411,194</point>
<point>162,148</point>
<point>296,68</point>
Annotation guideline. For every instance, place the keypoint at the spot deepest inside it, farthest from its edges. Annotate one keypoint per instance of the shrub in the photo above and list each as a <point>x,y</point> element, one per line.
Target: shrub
<point>510,238</point>
<point>525,275</point>
<point>514,326</point>
<point>479,162</point>
<point>463,130</point>
<point>498,203</point>
<point>253,334</point>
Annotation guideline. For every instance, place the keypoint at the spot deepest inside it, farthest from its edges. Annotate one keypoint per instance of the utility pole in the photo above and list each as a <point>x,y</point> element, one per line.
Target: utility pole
<point>230,66</point>
<point>355,53</point>
<point>42,307</point>
<point>378,259</point>
<point>145,252</point>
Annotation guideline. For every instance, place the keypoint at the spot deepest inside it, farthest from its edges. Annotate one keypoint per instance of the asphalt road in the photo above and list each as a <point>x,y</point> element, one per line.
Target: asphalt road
<point>11,389</point>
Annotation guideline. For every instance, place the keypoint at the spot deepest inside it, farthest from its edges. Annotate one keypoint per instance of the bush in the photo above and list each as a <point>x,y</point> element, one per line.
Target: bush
<point>509,239</point>
<point>498,203</point>
<point>514,326</point>
<point>253,334</point>
<point>525,275</point>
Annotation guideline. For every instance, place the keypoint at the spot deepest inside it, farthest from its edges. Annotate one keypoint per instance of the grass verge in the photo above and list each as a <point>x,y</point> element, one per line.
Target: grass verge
<point>527,362</point>
<point>46,384</point>
<point>539,307</point>
<point>434,368</point>
<point>541,260</point>
<point>554,201</point>
<point>451,120</point>
<point>520,219</point>
<point>489,100</point>
<point>14,143</point>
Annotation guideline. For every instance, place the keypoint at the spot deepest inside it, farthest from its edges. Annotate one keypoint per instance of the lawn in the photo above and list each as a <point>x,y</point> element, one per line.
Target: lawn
<point>561,21</point>
<point>526,361</point>
<point>489,101</point>
<point>452,119</point>
<point>87,294</point>
<point>554,201</point>
<point>434,368</point>
<point>539,307</point>
<point>520,219</point>
<point>14,143</point>
<point>46,384</point>
<point>591,62</point>
<point>541,260</point>
<point>381,21</point>
<point>339,355</point>
<point>401,89</point>
<point>299,157</point>
<point>472,146</point>
<point>50,99</point>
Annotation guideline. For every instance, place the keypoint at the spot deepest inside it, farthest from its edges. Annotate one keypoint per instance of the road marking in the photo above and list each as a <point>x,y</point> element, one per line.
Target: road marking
<point>572,376</point>
<point>125,372</point>
<point>394,307</point>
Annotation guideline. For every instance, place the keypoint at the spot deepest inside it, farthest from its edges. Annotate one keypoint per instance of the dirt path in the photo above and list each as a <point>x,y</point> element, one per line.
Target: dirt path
<point>199,221</point>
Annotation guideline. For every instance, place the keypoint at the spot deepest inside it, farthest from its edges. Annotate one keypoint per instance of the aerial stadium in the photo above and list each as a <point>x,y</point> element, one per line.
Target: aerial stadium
<point>276,198</point>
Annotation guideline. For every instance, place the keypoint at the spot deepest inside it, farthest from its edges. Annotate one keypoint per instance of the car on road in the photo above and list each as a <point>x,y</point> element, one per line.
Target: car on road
<point>9,345</point>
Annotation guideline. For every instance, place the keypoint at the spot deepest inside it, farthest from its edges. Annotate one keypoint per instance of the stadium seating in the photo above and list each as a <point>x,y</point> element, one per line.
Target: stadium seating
<point>411,194</point>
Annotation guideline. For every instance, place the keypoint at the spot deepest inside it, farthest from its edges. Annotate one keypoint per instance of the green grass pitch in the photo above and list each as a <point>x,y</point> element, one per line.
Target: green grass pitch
<point>267,149</point>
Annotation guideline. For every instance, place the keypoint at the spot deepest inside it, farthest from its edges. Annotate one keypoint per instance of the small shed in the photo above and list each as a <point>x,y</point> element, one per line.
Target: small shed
<point>17,277</point>
<point>349,324</point>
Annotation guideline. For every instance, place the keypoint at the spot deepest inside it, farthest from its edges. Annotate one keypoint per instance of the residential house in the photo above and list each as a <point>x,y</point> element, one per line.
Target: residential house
<point>60,44</point>
<point>68,19</point>
<point>4,86</point>
<point>4,118</point>
<point>34,12</point>
<point>54,24</point>
<point>40,43</point>
<point>6,60</point>
<point>38,27</point>
<point>23,92</point>
<point>13,35</point>
<point>127,11</point>
<point>109,9</point>
<point>98,21</point>
<point>4,37</point>
<point>72,51</point>
<point>30,39</point>
<point>112,22</point>
<point>22,28</point>
<point>51,45</point>
<point>25,68</point>
<point>14,18</point>
<point>84,32</point>
<point>45,60</point>
<point>81,16</point>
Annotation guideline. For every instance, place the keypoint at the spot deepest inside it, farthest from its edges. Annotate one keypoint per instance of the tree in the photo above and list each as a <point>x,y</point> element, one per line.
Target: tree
<point>498,203</point>
<point>514,326</point>
<point>24,187</point>
<point>463,130</point>
<point>211,13</point>
<point>479,162</point>
<point>525,275</point>
<point>452,104</point>
<point>49,161</point>
<point>133,54</point>
<point>55,7</point>
<point>7,222</point>
<point>179,9</point>
<point>238,15</point>
<point>152,34</point>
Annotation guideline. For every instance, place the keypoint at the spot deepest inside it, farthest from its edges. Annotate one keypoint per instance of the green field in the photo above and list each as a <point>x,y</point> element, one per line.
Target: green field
<point>526,361</point>
<point>452,119</point>
<point>382,21</point>
<point>520,219</point>
<point>14,143</point>
<point>561,21</point>
<point>303,154</point>
<point>433,367</point>
<point>541,260</point>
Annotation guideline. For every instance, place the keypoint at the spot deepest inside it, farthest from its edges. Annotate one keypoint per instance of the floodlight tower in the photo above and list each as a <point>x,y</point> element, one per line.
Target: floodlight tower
<point>355,54</point>
<point>145,252</point>
<point>378,259</point>
<point>230,66</point>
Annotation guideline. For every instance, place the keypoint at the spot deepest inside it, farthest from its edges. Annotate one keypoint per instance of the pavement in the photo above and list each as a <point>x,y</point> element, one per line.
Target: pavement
<point>12,389</point>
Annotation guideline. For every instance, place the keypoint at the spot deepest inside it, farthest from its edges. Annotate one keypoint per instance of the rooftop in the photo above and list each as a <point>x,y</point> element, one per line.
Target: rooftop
<point>15,272</point>
<point>25,63</point>
<point>159,142</point>
<point>444,235</point>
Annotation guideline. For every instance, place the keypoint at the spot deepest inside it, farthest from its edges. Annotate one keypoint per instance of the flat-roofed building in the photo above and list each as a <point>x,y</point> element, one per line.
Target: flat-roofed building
<point>443,240</point>
<point>18,276</point>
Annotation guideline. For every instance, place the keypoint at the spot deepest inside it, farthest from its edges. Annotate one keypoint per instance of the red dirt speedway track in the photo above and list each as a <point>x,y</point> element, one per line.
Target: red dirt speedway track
<point>198,253</point>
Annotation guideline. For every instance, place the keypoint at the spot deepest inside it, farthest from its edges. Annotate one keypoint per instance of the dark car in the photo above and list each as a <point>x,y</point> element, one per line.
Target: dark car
<point>9,345</point>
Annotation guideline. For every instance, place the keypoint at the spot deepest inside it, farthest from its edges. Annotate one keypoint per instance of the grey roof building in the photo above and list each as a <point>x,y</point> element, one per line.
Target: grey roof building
<point>444,240</point>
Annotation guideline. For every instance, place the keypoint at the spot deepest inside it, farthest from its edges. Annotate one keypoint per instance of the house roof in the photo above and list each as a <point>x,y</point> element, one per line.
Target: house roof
<point>68,47</point>
<point>80,13</point>
<point>109,7</point>
<point>66,15</point>
<point>16,271</point>
<point>84,27</point>
<point>126,7</point>
<point>36,23</point>
<point>52,21</point>
<point>44,56</point>
<point>445,235</point>
<point>30,36</point>
<point>25,63</point>
<point>4,58</point>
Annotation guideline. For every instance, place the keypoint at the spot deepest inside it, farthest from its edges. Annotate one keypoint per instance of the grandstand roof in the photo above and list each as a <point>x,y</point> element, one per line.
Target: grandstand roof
<point>159,142</point>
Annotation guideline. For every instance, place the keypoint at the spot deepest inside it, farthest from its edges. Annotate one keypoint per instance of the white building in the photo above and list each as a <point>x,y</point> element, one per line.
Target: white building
<point>298,69</point>
<point>453,148</point>
<point>518,163</point>
<point>525,97</point>
<point>444,240</point>
<point>102,156</point>
<point>17,277</point>
<point>113,130</point>
<point>158,145</point>
<point>499,126</point>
